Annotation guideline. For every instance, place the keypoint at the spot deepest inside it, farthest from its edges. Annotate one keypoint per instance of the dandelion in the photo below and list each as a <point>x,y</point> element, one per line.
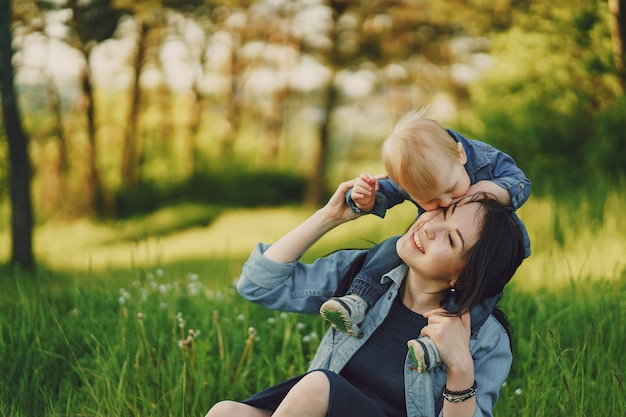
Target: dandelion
<point>247,352</point>
<point>124,294</point>
<point>193,277</point>
<point>187,343</point>
<point>518,391</point>
<point>140,316</point>
<point>241,317</point>
<point>160,272</point>
<point>283,316</point>
<point>301,326</point>
<point>193,289</point>
<point>271,320</point>
<point>306,339</point>
<point>163,305</point>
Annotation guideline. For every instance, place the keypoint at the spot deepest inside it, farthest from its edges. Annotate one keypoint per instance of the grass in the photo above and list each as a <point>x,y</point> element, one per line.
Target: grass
<point>151,325</point>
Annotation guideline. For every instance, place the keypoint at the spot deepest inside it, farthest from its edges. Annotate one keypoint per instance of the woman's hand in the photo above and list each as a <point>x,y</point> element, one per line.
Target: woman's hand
<point>336,208</point>
<point>292,245</point>
<point>451,334</point>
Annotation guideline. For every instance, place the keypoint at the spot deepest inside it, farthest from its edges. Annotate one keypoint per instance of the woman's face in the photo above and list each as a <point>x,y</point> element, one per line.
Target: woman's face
<point>437,243</point>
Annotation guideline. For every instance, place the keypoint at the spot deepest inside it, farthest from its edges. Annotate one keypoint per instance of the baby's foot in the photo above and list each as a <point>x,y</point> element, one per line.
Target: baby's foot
<point>424,353</point>
<point>345,313</point>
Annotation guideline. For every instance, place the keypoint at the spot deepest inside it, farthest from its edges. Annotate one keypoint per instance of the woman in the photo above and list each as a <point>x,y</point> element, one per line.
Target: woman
<point>460,255</point>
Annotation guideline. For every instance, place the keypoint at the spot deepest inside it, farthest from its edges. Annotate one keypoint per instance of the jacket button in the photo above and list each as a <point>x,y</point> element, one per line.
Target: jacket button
<point>390,296</point>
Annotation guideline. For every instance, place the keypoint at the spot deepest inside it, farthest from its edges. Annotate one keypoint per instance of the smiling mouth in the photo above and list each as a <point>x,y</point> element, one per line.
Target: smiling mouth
<point>418,242</point>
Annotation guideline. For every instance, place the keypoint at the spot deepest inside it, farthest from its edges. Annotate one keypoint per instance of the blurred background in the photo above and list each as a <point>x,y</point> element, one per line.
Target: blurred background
<point>130,107</point>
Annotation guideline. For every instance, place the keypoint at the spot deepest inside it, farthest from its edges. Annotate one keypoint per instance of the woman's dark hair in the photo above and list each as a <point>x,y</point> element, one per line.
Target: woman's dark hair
<point>492,261</point>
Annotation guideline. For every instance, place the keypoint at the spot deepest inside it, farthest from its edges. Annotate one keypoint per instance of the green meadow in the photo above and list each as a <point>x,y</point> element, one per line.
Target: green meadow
<point>140,317</point>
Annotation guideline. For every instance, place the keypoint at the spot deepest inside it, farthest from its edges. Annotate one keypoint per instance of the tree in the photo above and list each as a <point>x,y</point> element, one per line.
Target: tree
<point>20,172</point>
<point>617,24</point>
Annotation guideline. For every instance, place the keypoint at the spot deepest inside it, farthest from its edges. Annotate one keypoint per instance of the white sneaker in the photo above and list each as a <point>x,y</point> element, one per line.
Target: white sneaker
<point>424,353</point>
<point>345,313</point>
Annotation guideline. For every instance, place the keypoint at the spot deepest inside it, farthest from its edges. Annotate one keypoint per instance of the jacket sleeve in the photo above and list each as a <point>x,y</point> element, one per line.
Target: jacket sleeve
<point>293,286</point>
<point>388,196</point>
<point>509,176</point>
<point>492,364</point>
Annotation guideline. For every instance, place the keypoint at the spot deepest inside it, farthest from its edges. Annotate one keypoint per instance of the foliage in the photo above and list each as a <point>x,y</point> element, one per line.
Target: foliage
<point>232,186</point>
<point>567,352</point>
<point>166,342</point>
<point>151,347</point>
<point>549,99</point>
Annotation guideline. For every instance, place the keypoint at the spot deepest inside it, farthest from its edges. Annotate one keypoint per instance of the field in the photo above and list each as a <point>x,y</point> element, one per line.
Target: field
<point>150,324</point>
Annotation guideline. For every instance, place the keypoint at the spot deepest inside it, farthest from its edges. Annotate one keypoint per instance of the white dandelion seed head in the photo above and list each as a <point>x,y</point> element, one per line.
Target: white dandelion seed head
<point>518,391</point>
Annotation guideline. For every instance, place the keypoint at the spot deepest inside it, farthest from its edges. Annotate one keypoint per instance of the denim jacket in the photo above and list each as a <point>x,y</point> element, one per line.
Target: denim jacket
<point>302,288</point>
<point>484,162</point>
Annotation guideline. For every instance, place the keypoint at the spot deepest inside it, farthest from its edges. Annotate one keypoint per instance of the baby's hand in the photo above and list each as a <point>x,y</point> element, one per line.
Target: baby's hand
<point>364,192</point>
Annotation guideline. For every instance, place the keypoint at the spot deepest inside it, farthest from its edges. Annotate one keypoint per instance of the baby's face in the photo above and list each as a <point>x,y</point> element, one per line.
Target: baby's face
<point>454,182</point>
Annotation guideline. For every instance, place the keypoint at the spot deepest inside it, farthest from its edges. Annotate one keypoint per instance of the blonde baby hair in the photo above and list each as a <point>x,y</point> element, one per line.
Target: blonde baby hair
<point>414,146</point>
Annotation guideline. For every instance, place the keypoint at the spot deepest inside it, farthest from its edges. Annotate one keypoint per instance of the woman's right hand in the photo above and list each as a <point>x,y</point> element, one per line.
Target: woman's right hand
<point>336,208</point>
<point>292,245</point>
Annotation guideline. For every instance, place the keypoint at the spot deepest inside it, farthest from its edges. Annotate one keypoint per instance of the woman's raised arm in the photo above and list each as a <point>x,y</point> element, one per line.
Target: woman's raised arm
<point>291,246</point>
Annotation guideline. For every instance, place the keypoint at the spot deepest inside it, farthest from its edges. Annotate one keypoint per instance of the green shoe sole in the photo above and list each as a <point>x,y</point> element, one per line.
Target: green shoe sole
<point>337,320</point>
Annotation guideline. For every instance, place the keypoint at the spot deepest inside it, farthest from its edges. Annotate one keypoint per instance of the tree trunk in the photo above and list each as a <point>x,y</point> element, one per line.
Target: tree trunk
<point>20,170</point>
<point>617,24</point>
<point>94,186</point>
<point>316,189</point>
<point>131,154</point>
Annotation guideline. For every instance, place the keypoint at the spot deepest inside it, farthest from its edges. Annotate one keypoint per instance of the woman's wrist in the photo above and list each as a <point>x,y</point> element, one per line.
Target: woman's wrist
<point>460,373</point>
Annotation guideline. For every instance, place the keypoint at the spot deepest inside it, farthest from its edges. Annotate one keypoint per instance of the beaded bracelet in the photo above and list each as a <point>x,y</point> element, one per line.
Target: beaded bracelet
<point>459,396</point>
